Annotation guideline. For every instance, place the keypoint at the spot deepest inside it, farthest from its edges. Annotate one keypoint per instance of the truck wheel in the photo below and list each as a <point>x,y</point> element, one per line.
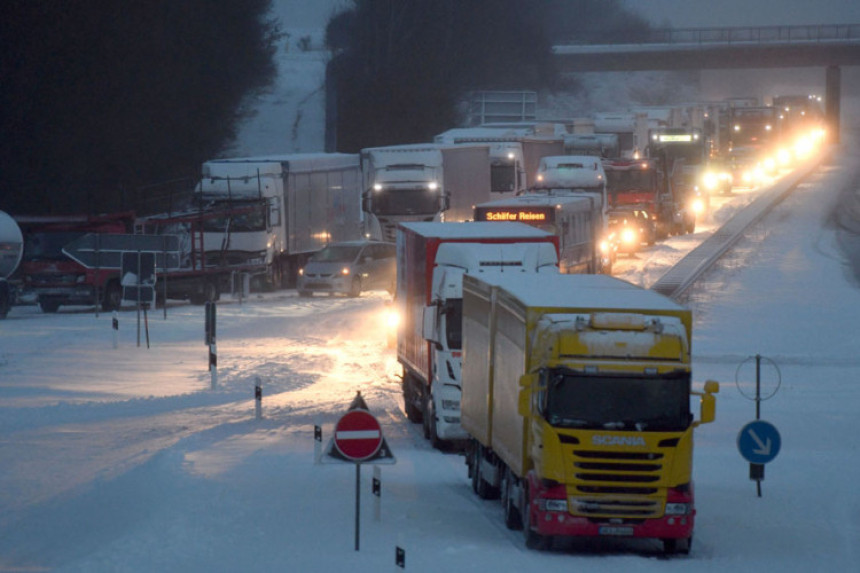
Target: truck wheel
<point>355,287</point>
<point>534,540</point>
<point>5,299</point>
<point>426,414</point>
<point>209,292</point>
<point>112,297</point>
<point>49,305</point>
<point>673,546</point>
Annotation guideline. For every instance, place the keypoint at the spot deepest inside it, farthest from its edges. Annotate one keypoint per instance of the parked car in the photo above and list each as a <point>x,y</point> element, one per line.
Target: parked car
<point>629,228</point>
<point>349,268</point>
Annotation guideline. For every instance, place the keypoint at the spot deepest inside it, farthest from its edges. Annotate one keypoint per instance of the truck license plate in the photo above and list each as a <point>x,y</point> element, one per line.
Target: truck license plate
<point>615,530</point>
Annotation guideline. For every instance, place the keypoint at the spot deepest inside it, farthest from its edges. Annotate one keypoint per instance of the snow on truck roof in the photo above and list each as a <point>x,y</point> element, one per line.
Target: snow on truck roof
<point>475,230</point>
<point>586,292</point>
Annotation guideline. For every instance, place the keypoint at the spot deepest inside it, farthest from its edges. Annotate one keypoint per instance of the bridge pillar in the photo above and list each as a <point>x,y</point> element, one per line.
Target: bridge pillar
<point>832,95</point>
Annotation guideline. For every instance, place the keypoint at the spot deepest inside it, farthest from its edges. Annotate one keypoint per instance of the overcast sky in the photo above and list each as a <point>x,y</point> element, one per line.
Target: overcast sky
<point>707,13</point>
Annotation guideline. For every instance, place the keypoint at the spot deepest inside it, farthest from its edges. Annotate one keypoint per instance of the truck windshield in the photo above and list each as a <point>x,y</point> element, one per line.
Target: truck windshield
<point>237,222</point>
<point>503,178</point>
<point>632,180</point>
<point>624,402</point>
<point>453,311</point>
<point>405,202</point>
<point>48,246</point>
<point>692,154</point>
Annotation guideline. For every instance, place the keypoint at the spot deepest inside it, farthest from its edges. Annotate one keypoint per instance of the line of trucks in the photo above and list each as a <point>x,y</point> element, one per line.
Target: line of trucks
<point>570,393</point>
<point>253,222</point>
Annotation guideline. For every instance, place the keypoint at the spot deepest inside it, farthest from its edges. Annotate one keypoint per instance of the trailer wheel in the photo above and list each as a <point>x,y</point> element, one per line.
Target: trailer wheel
<point>413,412</point>
<point>481,486</point>
<point>513,519</point>
<point>112,297</point>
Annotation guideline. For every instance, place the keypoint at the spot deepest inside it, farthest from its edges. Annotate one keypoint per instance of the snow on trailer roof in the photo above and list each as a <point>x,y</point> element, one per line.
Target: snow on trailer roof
<point>476,230</point>
<point>588,292</point>
<point>536,200</point>
<point>278,164</point>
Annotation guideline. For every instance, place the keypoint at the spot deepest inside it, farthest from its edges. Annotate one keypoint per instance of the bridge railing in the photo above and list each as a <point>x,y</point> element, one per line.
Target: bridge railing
<point>734,35</point>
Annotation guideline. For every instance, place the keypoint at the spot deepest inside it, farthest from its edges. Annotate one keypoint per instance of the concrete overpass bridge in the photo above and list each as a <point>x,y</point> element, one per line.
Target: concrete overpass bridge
<point>826,46</point>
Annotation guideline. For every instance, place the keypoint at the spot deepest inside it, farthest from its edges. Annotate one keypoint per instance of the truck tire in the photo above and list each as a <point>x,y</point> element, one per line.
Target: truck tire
<point>673,546</point>
<point>481,486</point>
<point>112,297</point>
<point>5,299</point>
<point>429,422</point>
<point>208,293</point>
<point>533,539</point>
<point>49,305</point>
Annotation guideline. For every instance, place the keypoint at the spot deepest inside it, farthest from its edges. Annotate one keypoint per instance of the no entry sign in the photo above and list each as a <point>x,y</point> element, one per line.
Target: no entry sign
<point>358,435</point>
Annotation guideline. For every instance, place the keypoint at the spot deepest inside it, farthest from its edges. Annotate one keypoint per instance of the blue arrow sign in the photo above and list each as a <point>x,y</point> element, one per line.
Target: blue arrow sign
<point>759,442</point>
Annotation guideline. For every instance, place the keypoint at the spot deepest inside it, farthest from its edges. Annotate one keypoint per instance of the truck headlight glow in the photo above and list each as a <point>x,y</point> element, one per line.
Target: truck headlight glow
<point>344,271</point>
<point>432,186</point>
<point>698,206</point>
<point>628,235</point>
<point>677,508</point>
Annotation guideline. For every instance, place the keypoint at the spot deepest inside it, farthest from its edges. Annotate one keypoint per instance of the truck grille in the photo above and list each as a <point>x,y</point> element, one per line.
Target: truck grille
<point>615,484</point>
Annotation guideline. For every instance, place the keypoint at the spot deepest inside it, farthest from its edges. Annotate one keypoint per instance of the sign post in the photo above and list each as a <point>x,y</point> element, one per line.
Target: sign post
<point>358,439</point>
<point>759,441</point>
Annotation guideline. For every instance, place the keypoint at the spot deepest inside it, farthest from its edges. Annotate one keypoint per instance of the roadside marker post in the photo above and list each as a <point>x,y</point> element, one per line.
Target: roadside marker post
<point>258,398</point>
<point>115,327</point>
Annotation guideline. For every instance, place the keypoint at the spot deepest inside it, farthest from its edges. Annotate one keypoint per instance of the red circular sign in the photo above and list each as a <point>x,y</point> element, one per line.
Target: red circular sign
<point>358,435</point>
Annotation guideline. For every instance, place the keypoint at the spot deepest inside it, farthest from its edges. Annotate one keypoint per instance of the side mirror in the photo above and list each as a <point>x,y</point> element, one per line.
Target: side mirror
<point>707,403</point>
<point>524,405</point>
<point>429,325</point>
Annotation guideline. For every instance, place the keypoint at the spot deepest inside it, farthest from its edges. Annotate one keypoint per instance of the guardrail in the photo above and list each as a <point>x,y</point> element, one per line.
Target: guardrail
<point>688,270</point>
<point>726,36</point>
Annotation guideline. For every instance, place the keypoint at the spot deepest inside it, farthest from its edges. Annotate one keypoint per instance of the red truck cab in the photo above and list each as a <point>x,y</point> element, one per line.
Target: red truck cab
<point>54,278</point>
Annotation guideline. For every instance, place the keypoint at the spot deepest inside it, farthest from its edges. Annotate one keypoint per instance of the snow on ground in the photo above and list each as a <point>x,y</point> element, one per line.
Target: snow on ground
<point>127,459</point>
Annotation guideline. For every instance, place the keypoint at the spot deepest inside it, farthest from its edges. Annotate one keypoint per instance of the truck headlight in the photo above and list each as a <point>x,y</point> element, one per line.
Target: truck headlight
<point>628,235</point>
<point>553,504</point>
<point>698,206</point>
<point>451,405</point>
<point>677,508</point>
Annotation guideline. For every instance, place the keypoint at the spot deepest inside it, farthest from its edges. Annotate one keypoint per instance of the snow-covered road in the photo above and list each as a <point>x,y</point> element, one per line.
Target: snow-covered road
<point>128,460</point>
